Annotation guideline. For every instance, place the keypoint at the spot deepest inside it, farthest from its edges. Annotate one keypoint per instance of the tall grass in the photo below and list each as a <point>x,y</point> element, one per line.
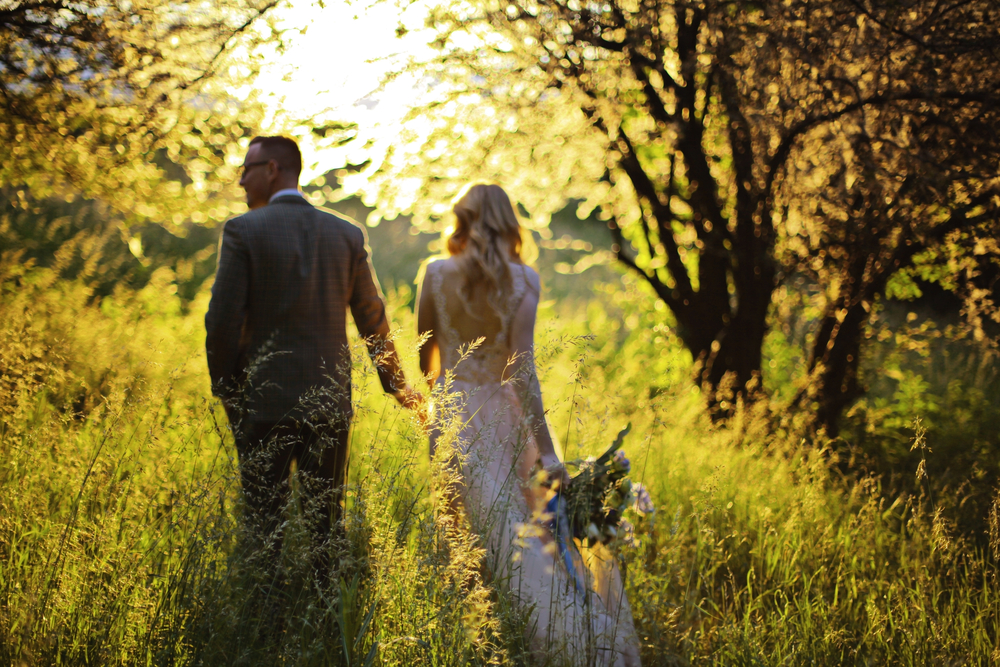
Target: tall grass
<point>121,540</point>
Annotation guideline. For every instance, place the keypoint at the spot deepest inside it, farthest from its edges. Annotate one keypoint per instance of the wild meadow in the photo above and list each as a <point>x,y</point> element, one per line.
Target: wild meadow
<point>770,242</point>
<point>120,532</point>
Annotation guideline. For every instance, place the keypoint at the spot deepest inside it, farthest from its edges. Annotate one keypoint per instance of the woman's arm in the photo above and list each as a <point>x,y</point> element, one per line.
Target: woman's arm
<point>523,348</point>
<point>430,357</point>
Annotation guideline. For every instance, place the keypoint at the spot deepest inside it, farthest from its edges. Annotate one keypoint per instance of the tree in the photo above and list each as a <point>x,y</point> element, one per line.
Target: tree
<point>729,146</point>
<point>98,98</point>
<point>898,179</point>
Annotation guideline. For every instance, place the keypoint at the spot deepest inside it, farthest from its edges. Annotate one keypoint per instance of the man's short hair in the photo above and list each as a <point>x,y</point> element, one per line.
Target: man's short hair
<point>282,150</point>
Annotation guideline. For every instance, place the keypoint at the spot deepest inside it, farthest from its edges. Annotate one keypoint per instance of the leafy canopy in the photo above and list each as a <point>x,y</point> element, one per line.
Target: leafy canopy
<point>100,98</point>
<point>731,147</point>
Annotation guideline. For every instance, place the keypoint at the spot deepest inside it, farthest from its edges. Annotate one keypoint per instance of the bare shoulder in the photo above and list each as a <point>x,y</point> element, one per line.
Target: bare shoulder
<point>534,281</point>
<point>428,268</point>
<point>435,265</point>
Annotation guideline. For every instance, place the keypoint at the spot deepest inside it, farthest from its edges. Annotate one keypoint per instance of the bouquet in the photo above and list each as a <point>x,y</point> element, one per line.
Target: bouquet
<point>593,503</point>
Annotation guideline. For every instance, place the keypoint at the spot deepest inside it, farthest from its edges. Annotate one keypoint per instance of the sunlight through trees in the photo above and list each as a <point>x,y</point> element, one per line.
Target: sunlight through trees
<point>100,98</point>
<point>732,149</point>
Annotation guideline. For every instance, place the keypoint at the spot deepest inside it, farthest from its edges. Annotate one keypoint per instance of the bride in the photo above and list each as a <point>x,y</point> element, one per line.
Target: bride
<point>477,308</point>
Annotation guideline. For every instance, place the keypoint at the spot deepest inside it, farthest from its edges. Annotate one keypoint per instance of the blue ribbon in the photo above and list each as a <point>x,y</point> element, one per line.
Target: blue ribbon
<point>559,526</point>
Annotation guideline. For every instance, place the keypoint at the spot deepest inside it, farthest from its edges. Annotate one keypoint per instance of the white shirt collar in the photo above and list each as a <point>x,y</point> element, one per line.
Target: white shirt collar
<point>286,192</point>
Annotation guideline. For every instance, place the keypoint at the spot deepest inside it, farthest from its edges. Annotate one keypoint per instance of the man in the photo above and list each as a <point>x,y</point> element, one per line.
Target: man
<point>277,341</point>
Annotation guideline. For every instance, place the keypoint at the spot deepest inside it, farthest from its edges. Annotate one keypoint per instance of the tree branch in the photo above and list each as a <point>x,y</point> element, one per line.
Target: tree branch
<point>741,146</point>
<point>623,256</point>
<point>781,154</point>
<point>646,191</point>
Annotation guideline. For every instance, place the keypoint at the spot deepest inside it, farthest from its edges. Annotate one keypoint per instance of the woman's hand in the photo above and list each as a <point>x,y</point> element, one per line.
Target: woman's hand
<point>555,469</point>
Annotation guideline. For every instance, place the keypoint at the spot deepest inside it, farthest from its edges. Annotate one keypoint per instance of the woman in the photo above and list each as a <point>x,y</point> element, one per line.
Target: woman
<point>477,309</point>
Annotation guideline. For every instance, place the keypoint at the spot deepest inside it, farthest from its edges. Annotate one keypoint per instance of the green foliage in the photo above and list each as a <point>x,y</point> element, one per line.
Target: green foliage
<point>102,98</point>
<point>83,240</point>
<point>732,149</point>
<point>949,385</point>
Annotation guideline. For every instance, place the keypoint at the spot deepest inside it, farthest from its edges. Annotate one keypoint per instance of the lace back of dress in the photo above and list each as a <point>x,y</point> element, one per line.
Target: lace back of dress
<point>463,321</point>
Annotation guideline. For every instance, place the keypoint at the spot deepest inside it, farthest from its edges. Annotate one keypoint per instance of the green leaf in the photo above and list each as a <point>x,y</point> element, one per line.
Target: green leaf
<point>606,456</point>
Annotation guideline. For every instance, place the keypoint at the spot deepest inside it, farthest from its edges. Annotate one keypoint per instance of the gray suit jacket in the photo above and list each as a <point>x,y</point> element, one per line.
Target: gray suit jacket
<point>277,321</point>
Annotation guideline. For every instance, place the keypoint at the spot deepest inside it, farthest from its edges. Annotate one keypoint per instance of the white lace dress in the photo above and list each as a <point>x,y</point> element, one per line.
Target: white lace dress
<point>492,436</point>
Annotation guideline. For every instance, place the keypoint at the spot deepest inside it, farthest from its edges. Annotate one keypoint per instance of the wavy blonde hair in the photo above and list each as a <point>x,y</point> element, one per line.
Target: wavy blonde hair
<point>487,236</point>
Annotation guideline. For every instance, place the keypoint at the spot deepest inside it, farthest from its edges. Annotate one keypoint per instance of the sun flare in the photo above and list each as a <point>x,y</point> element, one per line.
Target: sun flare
<point>332,70</point>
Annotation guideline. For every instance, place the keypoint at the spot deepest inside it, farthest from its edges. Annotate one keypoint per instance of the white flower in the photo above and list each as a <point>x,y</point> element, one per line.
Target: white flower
<point>643,502</point>
<point>593,532</point>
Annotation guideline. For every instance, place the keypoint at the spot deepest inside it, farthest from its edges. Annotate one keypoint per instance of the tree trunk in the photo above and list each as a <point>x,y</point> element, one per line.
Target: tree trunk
<point>836,355</point>
<point>726,345</point>
<point>731,369</point>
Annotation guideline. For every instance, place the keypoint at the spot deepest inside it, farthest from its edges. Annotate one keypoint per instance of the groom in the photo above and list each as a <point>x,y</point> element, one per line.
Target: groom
<point>277,339</point>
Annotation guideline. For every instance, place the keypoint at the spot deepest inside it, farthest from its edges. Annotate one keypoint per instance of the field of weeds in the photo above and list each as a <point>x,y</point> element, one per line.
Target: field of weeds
<point>121,542</point>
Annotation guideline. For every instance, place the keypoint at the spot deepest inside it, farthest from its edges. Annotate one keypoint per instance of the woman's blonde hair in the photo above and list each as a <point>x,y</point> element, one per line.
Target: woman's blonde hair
<point>487,236</point>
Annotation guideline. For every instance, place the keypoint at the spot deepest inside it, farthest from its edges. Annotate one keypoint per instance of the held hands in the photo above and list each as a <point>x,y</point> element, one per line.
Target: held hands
<point>410,399</point>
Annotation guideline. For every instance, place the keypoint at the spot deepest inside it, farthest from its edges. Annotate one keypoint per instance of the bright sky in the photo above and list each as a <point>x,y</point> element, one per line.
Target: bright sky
<point>335,60</point>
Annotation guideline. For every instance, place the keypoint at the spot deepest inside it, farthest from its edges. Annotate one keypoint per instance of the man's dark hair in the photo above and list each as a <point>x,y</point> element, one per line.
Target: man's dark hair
<point>282,150</point>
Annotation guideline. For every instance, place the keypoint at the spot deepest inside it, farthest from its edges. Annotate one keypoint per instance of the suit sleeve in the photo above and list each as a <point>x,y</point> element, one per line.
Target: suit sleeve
<point>227,312</point>
<point>368,311</point>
